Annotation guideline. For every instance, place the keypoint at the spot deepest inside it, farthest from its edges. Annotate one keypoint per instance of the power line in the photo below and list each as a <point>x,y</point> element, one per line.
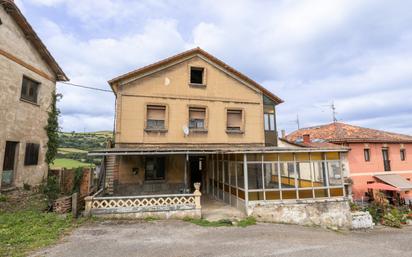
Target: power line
<point>87,87</point>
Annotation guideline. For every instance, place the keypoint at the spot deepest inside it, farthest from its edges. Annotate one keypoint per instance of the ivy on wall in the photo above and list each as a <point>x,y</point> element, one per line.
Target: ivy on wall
<point>52,129</point>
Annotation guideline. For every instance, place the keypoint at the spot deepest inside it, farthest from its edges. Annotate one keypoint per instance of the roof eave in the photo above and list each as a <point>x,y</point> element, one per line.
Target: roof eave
<point>193,52</point>
<point>13,10</point>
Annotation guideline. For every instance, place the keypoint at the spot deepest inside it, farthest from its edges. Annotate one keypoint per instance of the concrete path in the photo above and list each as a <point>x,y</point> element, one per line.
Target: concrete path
<point>179,238</point>
<point>214,210</point>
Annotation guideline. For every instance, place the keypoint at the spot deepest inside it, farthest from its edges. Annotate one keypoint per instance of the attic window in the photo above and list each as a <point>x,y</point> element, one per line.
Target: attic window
<point>197,75</point>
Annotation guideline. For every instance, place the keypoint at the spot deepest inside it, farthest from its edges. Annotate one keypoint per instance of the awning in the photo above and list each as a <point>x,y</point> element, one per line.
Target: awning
<point>382,186</point>
<point>395,180</point>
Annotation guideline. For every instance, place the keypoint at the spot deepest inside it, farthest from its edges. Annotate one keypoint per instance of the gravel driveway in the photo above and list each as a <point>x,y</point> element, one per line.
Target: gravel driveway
<point>179,238</point>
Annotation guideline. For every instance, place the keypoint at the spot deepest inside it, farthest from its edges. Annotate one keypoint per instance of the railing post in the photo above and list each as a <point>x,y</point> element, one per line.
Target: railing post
<point>197,194</point>
<point>88,205</point>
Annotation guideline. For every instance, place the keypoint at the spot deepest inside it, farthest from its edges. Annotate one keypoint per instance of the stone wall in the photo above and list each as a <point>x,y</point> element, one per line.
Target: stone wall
<point>333,214</point>
<point>362,220</point>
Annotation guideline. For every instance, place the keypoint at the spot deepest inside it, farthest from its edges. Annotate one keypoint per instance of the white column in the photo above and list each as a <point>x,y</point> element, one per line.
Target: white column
<point>245,176</point>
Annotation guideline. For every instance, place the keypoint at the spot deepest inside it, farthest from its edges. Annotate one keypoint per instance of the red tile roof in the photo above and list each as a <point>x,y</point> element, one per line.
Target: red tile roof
<point>339,132</point>
<point>311,144</point>
<point>193,52</point>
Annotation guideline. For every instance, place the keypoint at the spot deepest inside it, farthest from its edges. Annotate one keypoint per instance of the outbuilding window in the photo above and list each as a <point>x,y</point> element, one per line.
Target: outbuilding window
<point>32,154</point>
<point>29,90</point>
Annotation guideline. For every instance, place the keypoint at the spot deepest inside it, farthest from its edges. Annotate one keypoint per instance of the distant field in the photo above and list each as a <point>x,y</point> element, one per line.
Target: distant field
<point>69,164</point>
<point>70,150</point>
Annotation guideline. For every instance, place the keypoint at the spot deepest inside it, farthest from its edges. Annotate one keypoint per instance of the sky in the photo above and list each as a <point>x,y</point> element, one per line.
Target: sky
<point>356,54</point>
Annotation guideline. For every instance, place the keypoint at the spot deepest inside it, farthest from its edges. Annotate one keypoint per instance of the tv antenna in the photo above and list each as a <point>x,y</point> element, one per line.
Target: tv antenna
<point>332,106</point>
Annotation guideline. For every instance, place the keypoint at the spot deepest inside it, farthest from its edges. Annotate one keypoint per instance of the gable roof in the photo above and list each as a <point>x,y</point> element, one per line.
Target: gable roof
<point>193,52</point>
<point>11,8</point>
<point>339,132</point>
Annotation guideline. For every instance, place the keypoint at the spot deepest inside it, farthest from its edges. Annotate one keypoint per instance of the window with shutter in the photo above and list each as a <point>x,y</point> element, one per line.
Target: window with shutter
<point>156,117</point>
<point>32,154</point>
<point>234,120</point>
<point>197,118</point>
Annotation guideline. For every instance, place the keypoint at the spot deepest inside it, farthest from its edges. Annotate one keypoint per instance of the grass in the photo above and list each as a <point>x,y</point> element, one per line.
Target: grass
<point>151,218</point>
<point>222,223</point>
<point>64,150</point>
<point>25,227</point>
<point>68,163</point>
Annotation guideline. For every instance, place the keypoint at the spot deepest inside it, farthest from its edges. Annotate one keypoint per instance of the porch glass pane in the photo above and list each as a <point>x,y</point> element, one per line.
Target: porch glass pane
<point>232,167</point>
<point>305,194</point>
<point>271,175</point>
<point>319,174</point>
<point>226,171</point>
<point>321,193</point>
<point>255,196</point>
<point>334,173</point>
<point>254,175</point>
<point>288,194</point>
<point>240,175</point>
<point>272,195</point>
<point>287,174</point>
<point>303,172</point>
<point>336,192</point>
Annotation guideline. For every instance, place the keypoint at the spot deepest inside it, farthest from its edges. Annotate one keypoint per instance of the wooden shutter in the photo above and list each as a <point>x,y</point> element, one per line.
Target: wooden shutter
<point>156,112</point>
<point>234,118</point>
<point>197,113</point>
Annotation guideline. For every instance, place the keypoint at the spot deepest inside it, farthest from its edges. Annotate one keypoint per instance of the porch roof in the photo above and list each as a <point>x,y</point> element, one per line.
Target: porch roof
<point>395,180</point>
<point>205,149</point>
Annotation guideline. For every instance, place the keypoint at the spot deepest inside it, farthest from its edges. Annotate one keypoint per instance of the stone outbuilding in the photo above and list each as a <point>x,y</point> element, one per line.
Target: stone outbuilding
<point>28,75</point>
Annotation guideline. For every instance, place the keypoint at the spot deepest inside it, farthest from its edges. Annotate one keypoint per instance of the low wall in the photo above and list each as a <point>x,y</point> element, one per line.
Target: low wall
<point>333,214</point>
<point>166,214</point>
<point>162,206</point>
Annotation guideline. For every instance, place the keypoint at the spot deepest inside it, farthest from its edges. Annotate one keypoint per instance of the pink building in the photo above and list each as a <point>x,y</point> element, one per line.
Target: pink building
<point>378,160</point>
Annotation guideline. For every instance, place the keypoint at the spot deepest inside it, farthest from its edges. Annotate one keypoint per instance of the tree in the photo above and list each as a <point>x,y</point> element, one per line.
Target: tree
<point>52,129</point>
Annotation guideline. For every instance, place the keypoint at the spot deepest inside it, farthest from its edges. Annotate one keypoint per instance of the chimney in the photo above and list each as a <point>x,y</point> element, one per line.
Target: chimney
<point>283,133</point>
<point>306,139</point>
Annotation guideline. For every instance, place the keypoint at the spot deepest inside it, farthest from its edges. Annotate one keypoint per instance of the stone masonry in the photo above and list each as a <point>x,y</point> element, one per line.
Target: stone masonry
<point>21,121</point>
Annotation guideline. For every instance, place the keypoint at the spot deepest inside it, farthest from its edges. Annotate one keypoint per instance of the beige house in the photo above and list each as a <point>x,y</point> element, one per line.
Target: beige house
<point>193,119</point>
<point>28,75</point>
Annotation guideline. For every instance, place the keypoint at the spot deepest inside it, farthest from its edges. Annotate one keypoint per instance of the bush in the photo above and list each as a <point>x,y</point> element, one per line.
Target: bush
<point>391,220</point>
<point>3,198</point>
<point>51,188</point>
<point>354,207</point>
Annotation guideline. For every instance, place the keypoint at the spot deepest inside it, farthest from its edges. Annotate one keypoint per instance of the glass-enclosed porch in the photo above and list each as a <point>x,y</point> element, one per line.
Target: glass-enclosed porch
<point>240,178</point>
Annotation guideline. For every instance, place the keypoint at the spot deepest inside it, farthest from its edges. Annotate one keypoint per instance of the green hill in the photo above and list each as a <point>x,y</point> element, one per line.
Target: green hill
<point>73,148</point>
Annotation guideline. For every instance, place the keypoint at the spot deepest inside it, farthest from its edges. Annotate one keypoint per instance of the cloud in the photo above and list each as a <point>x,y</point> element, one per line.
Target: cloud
<point>310,53</point>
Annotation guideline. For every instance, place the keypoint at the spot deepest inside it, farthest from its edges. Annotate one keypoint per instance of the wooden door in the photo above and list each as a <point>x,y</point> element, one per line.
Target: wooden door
<point>9,164</point>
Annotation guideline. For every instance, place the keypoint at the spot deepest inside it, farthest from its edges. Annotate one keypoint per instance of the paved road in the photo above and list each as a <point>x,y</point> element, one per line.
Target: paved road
<point>178,238</point>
